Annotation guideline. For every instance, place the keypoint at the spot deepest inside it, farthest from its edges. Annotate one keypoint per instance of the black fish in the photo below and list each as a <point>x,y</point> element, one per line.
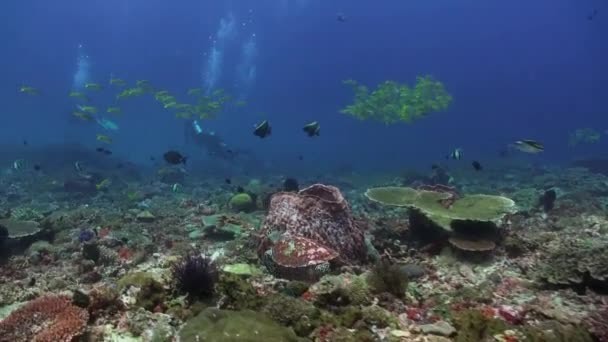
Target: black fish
<point>37,167</point>
<point>262,129</point>
<point>592,15</point>
<point>434,167</point>
<point>240,190</point>
<point>312,129</point>
<point>547,200</point>
<point>291,185</point>
<point>107,152</point>
<point>152,158</point>
<point>300,157</point>
<point>25,143</point>
<point>174,158</point>
<point>228,181</point>
<point>477,166</point>
<point>341,17</point>
<point>99,149</point>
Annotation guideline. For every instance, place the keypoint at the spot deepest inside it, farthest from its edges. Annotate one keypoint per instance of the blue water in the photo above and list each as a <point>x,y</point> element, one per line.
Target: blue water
<point>517,69</point>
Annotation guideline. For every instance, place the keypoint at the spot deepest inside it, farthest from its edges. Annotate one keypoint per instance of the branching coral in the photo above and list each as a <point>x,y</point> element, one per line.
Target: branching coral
<point>392,102</point>
<point>49,318</point>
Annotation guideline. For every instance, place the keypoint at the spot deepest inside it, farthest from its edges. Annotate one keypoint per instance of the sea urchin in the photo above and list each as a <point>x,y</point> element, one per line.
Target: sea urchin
<point>195,275</point>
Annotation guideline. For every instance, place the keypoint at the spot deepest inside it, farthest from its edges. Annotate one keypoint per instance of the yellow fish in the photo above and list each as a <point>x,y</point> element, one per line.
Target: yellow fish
<point>160,94</point>
<point>183,115</point>
<point>82,116</point>
<point>145,84</point>
<point>93,86</point>
<point>104,138</point>
<point>171,104</point>
<point>78,95</point>
<point>114,110</point>
<point>104,184</point>
<point>117,82</point>
<point>195,91</point>
<point>183,106</point>
<point>131,92</point>
<point>29,90</point>
<point>88,109</point>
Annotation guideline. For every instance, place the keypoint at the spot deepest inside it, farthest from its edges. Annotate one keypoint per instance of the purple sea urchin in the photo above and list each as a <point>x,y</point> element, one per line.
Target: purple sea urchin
<point>195,275</point>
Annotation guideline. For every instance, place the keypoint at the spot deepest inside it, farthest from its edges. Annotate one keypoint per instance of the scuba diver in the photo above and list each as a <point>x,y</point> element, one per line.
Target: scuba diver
<point>208,140</point>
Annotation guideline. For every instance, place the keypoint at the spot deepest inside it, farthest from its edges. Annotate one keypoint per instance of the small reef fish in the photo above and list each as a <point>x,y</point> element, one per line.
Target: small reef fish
<point>528,146</point>
<point>457,154</point>
<point>172,104</point>
<point>195,92</point>
<point>131,92</point>
<point>174,158</point>
<point>117,82</point>
<point>114,110</point>
<point>176,187</point>
<point>18,164</point>
<point>104,151</point>
<point>263,129</point>
<point>78,166</point>
<point>312,129</point>
<point>82,116</point>
<point>93,86</point>
<point>29,90</point>
<point>183,115</point>
<point>88,109</point>
<point>104,138</point>
<point>77,94</point>
<point>144,84</point>
<point>104,184</point>
<point>341,17</point>
<point>107,124</point>
<point>477,166</point>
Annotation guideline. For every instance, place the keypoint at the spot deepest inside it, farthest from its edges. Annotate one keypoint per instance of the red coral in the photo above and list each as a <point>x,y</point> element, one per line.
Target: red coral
<point>45,319</point>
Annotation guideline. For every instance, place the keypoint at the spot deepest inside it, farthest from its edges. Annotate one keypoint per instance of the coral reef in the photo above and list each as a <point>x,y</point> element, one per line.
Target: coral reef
<point>48,318</point>
<point>575,263</point>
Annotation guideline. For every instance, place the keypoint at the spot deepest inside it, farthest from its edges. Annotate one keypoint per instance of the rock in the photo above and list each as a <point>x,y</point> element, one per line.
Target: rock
<point>146,216</point>
<point>413,271</point>
<point>440,328</point>
<point>400,333</point>
<point>223,325</point>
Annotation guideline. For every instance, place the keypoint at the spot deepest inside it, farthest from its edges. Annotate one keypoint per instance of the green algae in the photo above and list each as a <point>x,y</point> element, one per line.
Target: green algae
<point>238,293</point>
<point>302,316</point>
<point>225,325</point>
<point>151,293</point>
